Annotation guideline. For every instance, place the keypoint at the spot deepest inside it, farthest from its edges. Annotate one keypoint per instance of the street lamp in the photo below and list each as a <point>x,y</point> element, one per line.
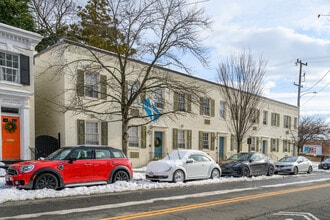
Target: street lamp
<point>299,97</point>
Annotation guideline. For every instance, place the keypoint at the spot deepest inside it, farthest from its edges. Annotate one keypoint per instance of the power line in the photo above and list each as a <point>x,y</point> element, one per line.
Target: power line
<point>315,84</point>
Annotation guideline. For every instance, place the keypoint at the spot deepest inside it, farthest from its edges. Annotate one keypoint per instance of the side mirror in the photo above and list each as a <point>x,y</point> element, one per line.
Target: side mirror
<point>189,161</point>
<point>72,159</point>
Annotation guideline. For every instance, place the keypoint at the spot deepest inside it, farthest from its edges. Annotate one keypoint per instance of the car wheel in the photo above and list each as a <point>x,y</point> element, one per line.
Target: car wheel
<point>295,171</point>
<point>46,180</point>
<point>310,169</point>
<point>120,175</point>
<point>245,171</point>
<point>270,171</point>
<point>178,176</point>
<point>215,173</point>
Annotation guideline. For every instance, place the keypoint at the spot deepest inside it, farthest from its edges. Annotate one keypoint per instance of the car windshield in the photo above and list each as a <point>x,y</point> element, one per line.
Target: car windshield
<point>240,156</point>
<point>60,154</point>
<point>288,159</point>
<point>175,155</point>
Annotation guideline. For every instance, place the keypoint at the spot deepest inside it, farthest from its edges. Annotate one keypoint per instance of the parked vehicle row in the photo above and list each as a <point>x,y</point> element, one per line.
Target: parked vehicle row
<point>93,165</point>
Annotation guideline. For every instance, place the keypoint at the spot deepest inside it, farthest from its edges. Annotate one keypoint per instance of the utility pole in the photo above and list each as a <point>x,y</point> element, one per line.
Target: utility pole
<point>299,83</point>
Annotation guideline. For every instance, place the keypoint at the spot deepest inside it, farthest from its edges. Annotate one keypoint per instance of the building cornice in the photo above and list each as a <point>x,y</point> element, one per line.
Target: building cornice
<point>23,38</point>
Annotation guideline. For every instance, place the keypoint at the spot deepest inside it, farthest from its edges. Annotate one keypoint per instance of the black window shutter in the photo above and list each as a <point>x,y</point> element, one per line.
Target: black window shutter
<point>80,82</point>
<point>25,69</point>
<point>143,136</point>
<point>81,131</point>
<point>104,133</point>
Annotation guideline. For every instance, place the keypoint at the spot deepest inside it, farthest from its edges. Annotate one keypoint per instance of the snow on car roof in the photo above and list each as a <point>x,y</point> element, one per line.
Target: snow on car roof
<point>184,153</point>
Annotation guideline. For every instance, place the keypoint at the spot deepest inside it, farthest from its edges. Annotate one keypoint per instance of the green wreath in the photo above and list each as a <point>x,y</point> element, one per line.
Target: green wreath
<point>157,142</point>
<point>10,126</point>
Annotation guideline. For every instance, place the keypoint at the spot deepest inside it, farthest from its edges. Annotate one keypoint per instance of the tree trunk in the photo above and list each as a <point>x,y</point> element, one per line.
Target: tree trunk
<point>124,132</point>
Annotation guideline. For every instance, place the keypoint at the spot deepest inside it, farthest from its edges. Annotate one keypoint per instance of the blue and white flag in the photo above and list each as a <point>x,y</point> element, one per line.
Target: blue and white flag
<point>151,110</point>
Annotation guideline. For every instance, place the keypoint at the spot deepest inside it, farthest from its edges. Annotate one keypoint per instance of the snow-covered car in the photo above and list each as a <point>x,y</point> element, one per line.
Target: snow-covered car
<point>325,164</point>
<point>293,165</point>
<point>248,164</point>
<point>182,165</point>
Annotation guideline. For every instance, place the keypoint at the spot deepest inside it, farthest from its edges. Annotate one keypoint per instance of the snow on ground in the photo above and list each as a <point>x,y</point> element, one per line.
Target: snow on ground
<point>138,183</point>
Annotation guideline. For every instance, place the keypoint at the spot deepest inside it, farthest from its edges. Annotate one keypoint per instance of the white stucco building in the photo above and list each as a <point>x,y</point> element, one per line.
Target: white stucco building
<point>205,129</point>
<point>16,92</point>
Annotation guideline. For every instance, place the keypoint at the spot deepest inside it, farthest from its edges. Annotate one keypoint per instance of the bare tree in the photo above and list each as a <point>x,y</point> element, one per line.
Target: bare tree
<point>53,19</point>
<point>159,32</point>
<point>241,86</point>
<point>311,128</point>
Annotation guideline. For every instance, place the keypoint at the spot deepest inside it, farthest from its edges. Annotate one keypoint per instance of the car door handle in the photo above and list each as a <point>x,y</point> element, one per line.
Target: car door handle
<point>88,164</point>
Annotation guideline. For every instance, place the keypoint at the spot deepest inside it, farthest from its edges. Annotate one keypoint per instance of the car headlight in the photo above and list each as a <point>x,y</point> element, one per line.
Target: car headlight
<point>167,169</point>
<point>26,168</point>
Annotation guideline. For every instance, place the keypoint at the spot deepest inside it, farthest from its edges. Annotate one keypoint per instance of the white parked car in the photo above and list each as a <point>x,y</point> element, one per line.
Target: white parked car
<point>294,165</point>
<point>182,165</point>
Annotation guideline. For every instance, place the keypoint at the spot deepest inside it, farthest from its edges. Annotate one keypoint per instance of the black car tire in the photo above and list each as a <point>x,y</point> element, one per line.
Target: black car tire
<point>215,173</point>
<point>271,171</point>
<point>120,175</point>
<point>245,171</point>
<point>46,180</point>
<point>178,176</point>
<point>310,169</point>
<point>295,171</point>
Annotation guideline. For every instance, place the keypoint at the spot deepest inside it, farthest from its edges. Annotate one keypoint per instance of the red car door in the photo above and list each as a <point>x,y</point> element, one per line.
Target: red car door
<point>80,168</point>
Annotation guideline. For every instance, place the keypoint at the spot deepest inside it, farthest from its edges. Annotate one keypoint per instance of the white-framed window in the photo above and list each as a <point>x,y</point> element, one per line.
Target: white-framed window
<point>222,109</point>
<point>253,145</point>
<point>255,116</point>
<point>92,133</point>
<point>132,90</point>
<point>9,67</point>
<point>92,85</point>
<point>206,106</point>
<point>274,142</point>
<point>182,102</point>
<point>206,140</point>
<point>275,119</point>
<point>295,123</point>
<point>159,100</point>
<point>181,139</point>
<point>287,121</point>
<point>286,146</point>
<point>265,117</point>
<point>133,137</point>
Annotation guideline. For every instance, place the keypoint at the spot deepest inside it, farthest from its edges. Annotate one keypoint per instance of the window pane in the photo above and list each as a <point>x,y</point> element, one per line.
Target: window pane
<point>133,138</point>
<point>92,85</point>
<point>92,135</point>
<point>205,140</point>
<point>181,139</point>
<point>159,98</point>
<point>182,102</point>
<point>9,67</point>
<point>206,106</point>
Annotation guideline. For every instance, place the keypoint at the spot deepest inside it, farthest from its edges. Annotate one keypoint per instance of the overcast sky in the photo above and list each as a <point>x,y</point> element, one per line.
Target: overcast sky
<point>281,31</point>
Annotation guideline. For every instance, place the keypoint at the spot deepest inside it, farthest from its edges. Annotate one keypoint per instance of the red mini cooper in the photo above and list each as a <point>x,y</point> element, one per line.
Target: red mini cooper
<point>71,166</point>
